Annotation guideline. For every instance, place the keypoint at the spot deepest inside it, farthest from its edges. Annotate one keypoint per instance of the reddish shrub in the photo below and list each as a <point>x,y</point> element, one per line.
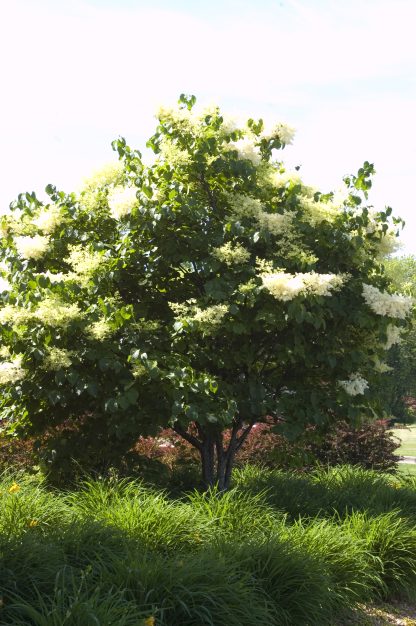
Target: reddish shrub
<point>370,446</point>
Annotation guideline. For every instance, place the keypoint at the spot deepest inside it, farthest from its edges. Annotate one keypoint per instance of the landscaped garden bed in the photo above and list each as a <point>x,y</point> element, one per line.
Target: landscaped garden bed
<point>280,548</point>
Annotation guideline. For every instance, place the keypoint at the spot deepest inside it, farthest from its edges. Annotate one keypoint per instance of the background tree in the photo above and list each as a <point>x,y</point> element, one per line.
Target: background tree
<point>204,291</point>
<point>399,384</point>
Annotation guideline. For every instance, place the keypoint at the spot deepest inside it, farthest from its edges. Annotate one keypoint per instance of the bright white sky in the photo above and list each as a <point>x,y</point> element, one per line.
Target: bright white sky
<point>75,74</point>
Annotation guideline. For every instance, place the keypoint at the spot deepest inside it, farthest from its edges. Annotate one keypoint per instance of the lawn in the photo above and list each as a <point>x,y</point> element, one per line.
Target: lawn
<point>281,548</point>
<point>408,469</point>
<point>408,439</point>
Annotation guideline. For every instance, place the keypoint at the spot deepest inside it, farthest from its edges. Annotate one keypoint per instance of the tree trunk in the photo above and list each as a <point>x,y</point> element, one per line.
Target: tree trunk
<point>217,459</point>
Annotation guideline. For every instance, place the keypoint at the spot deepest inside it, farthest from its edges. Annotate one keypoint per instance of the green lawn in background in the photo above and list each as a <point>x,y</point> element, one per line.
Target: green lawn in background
<point>408,438</point>
<point>407,469</point>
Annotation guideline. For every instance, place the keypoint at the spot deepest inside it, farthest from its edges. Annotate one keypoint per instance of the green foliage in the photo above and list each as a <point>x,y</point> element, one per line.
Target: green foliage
<point>209,288</point>
<point>85,562</point>
<point>322,492</point>
<point>400,382</point>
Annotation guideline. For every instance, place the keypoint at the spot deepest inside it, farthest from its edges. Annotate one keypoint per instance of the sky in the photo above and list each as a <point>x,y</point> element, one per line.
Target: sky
<point>75,74</point>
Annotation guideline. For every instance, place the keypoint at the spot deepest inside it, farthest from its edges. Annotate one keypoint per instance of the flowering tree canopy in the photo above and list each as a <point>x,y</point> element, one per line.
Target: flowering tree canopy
<point>208,289</point>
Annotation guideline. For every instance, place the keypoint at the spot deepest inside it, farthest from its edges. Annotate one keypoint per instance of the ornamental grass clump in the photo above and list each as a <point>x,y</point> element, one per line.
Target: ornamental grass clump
<point>146,515</point>
<point>391,540</point>
<point>326,491</point>
<point>116,552</point>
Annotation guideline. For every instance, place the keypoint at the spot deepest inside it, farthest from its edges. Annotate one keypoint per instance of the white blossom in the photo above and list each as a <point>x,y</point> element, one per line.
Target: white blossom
<point>388,244</point>
<point>246,150</point>
<point>284,286</point>
<point>276,223</point>
<point>174,114</point>
<point>121,200</point>
<point>32,247</point>
<point>393,336</point>
<point>244,206</point>
<point>99,330</point>
<point>381,366</point>
<point>48,219</point>
<point>15,315</point>
<point>355,385</point>
<point>318,211</point>
<point>280,131</point>
<point>110,174</point>
<point>231,254</point>
<point>84,262</point>
<point>282,179</point>
<point>211,317</point>
<point>11,371</point>
<point>57,358</point>
<point>4,285</point>
<point>53,312</point>
<point>229,125</point>
<point>323,284</point>
<point>207,320</point>
<point>383,303</point>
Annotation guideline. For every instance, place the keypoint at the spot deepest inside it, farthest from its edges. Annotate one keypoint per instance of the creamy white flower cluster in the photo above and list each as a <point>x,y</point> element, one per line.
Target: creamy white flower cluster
<point>11,371</point>
<point>383,303</point>
<point>212,316</point>
<point>284,286</point>
<point>4,285</point>
<point>84,262</point>
<point>276,223</point>
<point>282,179</point>
<point>245,206</point>
<point>121,200</point>
<point>280,131</point>
<point>208,319</point>
<point>177,116</point>
<point>246,150</point>
<point>318,211</point>
<point>52,312</point>
<point>315,211</point>
<point>388,244</point>
<point>229,124</point>
<point>57,358</point>
<point>355,385</point>
<point>393,336</point>
<point>108,174</point>
<point>10,314</point>
<point>231,254</point>
<point>32,247</point>
<point>99,330</point>
<point>48,219</point>
<point>381,366</point>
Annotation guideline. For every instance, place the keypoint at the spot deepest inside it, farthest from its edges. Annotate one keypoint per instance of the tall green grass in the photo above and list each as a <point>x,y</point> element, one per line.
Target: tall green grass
<point>278,549</point>
<point>340,490</point>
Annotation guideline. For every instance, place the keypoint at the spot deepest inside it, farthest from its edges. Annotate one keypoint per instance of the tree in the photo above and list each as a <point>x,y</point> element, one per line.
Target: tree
<point>400,382</point>
<point>204,291</point>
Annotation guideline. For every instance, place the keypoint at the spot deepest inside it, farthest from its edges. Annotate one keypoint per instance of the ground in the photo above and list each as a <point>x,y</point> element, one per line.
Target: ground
<point>397,614</point>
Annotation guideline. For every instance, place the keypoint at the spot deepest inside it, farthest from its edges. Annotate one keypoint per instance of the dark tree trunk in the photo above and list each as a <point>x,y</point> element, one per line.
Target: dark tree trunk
<point>217,458</point>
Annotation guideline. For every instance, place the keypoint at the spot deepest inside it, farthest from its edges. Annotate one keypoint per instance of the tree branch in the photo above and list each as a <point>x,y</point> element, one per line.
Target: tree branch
<point>208,191</point>
<point>188,437</point>
<point>243,437</point>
